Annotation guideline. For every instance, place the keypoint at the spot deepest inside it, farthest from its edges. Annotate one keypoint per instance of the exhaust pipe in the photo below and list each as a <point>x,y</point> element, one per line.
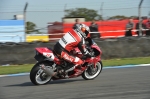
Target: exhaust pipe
<point>49,71</point>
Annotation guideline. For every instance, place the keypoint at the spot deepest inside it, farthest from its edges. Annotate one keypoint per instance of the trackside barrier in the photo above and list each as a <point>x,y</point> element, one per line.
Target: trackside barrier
<point>101,32</point>
<point>12,36</point>
<point>45,37</point>
<point>23,53</point>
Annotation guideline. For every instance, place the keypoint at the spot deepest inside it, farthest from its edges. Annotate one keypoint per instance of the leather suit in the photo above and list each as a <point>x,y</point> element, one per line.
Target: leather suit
<point>69,41</point>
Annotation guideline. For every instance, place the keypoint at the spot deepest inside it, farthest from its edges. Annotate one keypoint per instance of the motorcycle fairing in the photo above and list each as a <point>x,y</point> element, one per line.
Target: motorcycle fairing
<point>48,53</point>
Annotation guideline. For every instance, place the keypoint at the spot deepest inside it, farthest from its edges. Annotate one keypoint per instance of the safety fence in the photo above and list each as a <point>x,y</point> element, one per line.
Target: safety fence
<point>49,37</point>
<point>55,12</point>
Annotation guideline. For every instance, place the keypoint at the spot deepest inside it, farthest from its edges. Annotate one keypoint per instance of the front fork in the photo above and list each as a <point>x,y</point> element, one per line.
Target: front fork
<point>92,67</point>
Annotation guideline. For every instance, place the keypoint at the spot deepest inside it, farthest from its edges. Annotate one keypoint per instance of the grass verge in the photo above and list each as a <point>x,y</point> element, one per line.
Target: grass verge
<point>112,62</point>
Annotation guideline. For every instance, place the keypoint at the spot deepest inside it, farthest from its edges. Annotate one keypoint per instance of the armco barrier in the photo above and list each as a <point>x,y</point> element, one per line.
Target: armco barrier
<point>23,53</point>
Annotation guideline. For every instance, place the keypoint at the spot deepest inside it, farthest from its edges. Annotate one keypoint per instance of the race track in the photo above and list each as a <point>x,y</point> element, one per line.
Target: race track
<point>121,83</point>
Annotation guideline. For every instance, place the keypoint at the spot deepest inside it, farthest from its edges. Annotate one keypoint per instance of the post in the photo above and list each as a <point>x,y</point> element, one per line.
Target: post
<point>24,15</point>
<point>65,9</point>
<point>140,24</point>
<point>101,10</point>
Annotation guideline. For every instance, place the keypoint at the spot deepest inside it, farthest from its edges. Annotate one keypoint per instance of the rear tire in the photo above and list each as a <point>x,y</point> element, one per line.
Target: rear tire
<point>88,76</point>
<point>37,76</point>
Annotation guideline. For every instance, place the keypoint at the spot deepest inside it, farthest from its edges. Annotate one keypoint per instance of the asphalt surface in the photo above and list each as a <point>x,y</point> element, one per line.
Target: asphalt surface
<point>121,83</point>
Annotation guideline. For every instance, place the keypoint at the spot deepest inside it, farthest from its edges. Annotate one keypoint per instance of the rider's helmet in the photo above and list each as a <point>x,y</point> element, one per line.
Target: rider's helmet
<point>84,30</point>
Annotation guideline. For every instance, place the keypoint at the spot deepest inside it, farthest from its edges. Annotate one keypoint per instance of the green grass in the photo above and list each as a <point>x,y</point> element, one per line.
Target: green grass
<point>15,69</point>
<point>126,61</point>
<point>112,62</point>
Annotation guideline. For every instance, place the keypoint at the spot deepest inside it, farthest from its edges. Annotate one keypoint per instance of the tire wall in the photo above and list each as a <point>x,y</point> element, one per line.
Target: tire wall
<point>23,53</point>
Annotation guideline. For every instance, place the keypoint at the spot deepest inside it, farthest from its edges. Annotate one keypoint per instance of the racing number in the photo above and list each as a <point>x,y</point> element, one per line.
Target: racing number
<point>48,55</point>
<point>64,40</point>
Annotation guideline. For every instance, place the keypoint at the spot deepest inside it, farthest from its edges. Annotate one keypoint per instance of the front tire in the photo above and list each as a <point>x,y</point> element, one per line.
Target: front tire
<point>38,76</point>
<point>89,75</point>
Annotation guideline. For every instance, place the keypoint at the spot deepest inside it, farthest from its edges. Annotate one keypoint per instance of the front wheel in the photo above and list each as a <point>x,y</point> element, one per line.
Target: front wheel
<point>91,72</point>
<point>38,76</point>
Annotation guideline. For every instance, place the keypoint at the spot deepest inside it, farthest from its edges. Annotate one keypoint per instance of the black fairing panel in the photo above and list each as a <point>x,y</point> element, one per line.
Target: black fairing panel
<point>39,57</point>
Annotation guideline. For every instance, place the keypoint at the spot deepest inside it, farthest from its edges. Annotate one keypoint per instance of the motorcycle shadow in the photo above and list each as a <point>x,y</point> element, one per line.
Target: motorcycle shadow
<point>52,82</point>
<point>65,81</point>
<point>21,85</point>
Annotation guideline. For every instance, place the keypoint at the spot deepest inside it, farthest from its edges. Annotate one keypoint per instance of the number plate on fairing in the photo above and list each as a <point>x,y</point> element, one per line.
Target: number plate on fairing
<point>50,56</point>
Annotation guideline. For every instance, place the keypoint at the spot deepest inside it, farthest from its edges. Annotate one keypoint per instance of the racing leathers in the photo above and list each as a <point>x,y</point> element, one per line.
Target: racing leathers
<point>69,41</point>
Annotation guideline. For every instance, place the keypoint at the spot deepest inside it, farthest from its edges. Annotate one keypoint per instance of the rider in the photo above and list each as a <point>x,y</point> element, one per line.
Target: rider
<point>74,38</point>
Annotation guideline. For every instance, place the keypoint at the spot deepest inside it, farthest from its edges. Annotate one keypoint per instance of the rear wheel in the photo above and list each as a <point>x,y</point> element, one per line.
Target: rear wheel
<point>92,72</point>
<point>38,76</point>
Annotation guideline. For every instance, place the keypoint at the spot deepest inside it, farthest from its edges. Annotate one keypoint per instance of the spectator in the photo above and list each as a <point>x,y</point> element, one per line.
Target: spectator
<point>76,23</point>
<point>93,26</point>
<point>129,27</point>
<point>148,27</point>
<point>142,27</point>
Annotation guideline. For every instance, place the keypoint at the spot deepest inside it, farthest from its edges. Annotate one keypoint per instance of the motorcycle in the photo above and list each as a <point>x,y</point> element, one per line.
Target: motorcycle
<point>49,64</point>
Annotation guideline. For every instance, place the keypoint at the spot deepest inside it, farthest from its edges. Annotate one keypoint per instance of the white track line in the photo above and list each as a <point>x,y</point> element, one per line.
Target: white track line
<point>109,67</point>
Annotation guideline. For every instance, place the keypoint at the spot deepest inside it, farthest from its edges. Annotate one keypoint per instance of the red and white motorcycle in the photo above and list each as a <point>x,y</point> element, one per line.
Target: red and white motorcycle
<point>46,69</point>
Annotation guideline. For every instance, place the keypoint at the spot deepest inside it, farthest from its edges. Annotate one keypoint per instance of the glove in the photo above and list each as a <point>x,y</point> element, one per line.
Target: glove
<point>86,55</point>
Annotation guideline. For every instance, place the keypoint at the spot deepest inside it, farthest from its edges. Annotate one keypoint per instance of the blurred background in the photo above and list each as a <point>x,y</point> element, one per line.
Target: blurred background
<point>36,20</point>
<point>120,27</point>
